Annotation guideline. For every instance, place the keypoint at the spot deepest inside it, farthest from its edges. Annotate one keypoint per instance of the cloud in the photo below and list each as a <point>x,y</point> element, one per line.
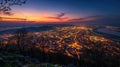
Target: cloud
<point>60,16</point>
<point>89,18</point>
<point>98,19</point>
<point>12,18</point>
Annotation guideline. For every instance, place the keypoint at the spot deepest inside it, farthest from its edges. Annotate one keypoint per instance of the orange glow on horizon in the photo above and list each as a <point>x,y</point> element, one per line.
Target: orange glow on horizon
<point>37,16</point>
<point>32,16</point>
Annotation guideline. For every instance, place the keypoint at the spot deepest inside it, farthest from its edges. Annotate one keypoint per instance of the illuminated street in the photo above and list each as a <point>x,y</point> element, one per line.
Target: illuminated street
<point>70,41</point>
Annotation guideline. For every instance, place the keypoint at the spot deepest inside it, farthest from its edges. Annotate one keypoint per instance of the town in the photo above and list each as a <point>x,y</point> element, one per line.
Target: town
<point>78,42</point>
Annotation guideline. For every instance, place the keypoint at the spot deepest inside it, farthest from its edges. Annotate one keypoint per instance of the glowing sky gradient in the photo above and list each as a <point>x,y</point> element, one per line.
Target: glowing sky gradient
<point>66,10</point>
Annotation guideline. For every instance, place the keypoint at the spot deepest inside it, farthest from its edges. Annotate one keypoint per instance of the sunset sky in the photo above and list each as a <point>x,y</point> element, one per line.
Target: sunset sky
<point>66,11</point>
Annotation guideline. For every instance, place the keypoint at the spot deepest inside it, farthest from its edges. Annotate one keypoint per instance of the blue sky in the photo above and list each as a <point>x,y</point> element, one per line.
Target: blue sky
<point>72,9</point>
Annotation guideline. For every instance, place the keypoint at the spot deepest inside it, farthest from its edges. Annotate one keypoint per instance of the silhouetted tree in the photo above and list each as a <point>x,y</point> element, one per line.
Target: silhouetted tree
<point>21,38</point>
<point>5,5</point>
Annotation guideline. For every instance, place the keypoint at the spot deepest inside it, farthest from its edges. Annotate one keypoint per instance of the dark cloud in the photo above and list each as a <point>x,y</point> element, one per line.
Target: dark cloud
<point>99,20</point>
<point>87,18</point>
<point>59,16</point>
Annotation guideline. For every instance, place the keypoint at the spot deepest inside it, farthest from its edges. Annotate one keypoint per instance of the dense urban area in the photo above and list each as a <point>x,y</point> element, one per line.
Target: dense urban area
<point>62,46</point>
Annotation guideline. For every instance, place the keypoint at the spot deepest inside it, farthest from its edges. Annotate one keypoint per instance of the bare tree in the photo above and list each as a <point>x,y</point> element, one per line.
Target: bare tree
<point>5,5</point>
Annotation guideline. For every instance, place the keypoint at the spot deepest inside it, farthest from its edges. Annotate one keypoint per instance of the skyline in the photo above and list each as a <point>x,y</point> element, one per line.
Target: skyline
<point>66,11</point>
